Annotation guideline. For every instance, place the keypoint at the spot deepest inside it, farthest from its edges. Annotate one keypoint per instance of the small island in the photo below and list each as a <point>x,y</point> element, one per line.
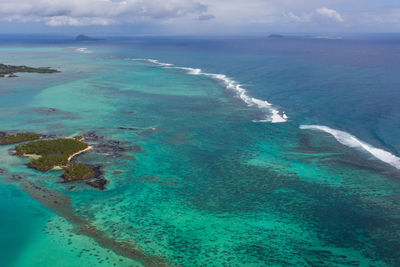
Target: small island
<point>18,138</point>
<point>275,36</point>
<point>10,70</point>
<point>82,37</point>
<point>57,154</point>
<point>47,152</point>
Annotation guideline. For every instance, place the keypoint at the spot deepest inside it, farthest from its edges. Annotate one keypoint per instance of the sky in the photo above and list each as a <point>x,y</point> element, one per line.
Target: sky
<point>198,17</point>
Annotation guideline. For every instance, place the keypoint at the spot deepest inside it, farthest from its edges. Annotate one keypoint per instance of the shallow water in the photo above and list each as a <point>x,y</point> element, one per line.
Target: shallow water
<point>209,185</point>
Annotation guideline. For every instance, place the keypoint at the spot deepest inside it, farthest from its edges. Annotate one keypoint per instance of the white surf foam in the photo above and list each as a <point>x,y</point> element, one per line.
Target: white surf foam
<point>352,141</point>
<point>83,50</point>
<point>275,115</point>
<point>154,61</point>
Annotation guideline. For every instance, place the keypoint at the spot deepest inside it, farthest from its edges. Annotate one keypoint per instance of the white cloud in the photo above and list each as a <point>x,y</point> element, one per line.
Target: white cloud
<point>209,16</point>
<point>70,21</point>
<point>96,12</point>
<point>330,13</point>
<point>318,16</point>
<point>301,18</point>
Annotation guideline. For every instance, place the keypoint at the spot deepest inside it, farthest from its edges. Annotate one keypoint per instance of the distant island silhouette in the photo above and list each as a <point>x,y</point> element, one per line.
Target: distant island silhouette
<point>275,36</point>
<point>83,37</point>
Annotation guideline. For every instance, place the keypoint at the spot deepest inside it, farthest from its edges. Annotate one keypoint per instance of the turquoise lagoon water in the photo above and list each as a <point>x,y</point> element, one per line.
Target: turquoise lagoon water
<point>216,182</point>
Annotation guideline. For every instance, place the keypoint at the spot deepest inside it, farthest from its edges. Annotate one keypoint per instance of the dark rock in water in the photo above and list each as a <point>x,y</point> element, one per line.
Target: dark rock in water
<point>275,36</point>
<point>16,177</point>
<point>37,121</point>
<point>55,119</point>
<point>150,131</point>
<point>83,37</point>
<point>49,111</point>
<point>127,128</point>
<point>3,171</point>
<point>90,136</point>
<point>98,183</point>
<point>112,148</point>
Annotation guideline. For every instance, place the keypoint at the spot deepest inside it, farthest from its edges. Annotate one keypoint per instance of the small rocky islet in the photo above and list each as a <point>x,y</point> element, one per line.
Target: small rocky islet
<point>82,37</point>
<point>49,154</point>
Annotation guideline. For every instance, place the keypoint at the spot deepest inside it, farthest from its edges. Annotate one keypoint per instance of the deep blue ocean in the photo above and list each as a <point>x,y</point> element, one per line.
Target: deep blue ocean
<point>347,84</point>
<point>263,151</point>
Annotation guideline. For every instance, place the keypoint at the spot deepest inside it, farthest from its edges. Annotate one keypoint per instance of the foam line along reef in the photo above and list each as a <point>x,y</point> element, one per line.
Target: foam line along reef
<point>275,116</point>
<point>352,141</point>
<point>83,50</point>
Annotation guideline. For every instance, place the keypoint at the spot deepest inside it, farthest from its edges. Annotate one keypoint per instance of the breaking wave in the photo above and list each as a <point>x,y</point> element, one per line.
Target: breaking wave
<point>83,50</point>
<point>276,116</point>
<point>352,141</point>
